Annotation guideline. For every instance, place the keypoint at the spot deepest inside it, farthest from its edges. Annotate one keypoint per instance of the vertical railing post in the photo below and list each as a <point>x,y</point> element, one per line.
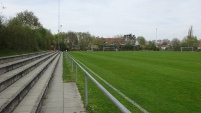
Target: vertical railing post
<point>76,74</point>
<point>70,61</point>
<point>72,65</point>
<point>86,90</point>
<point>67,57</point>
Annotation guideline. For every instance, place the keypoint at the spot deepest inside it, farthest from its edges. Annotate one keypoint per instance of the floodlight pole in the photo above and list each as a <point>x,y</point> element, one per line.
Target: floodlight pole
<point>61,37</point>
<point>156,34</point>
<point>58,23</point>
<point>58,40</point>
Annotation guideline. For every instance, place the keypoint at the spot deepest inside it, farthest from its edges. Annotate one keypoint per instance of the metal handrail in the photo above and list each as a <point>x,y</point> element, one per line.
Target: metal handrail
<point>87,75</point>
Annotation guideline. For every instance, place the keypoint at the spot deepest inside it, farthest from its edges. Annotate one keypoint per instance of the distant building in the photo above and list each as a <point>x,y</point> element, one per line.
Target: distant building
<point>111,41</point>
<point>127,42</point>
<point>163,48</point>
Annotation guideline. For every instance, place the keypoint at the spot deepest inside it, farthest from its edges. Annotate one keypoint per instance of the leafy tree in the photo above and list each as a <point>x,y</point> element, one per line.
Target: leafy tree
<point>14,32</point>
<point>190,40</point>
<point>176,44</point>
<point>63,42</point>
<point>44,38</point>
<point>72,40</point>
<point>19,37</point>
<point>28,18</point>
<point>141,40</point>
<point>85,41</point>
<point>25,33</point>
<point>100,42</point>
<point>129,39</point>
<point>151,45</point>
<point>2,27</point>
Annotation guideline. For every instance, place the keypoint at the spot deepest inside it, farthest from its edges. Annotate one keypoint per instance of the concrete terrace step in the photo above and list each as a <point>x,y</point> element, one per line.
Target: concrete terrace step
<point>12,95</point>
<point>17,57</point>
<point>33,100</point>
<point>6,67</point>
<point>10,77</point>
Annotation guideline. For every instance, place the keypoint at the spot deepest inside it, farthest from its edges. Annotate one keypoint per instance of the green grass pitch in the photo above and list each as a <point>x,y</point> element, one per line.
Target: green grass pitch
<point>160,82</point>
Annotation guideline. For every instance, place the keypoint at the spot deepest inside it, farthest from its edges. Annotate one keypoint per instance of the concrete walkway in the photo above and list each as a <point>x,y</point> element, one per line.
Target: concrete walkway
<point>72,99</point>
<point>62,97</point>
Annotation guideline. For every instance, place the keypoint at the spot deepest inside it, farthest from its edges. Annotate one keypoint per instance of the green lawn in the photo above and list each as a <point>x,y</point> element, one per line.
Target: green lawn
<point>158,81</point>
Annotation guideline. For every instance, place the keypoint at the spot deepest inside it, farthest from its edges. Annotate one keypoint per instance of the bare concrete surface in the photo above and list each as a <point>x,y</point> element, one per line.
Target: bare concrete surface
<point>30,101</point>
<point>72,99</point>
<point>62,97</point>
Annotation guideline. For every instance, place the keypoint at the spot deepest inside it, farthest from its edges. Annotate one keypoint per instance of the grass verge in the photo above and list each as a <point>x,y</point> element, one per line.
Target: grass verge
<point>68,75</point>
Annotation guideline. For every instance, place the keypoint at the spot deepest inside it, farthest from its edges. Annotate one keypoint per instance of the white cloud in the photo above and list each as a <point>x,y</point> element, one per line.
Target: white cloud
<point>107,18</point>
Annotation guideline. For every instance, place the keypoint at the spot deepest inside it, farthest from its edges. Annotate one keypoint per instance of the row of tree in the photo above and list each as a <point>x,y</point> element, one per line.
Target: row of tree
<point>24,32</point>
<point>174,45</point>
<point>85,41</point>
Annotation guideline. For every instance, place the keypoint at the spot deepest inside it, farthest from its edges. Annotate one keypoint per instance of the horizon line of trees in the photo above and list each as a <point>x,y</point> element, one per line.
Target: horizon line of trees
<point>84,41</point>
<point>172,45</point>
<point>24,32</point>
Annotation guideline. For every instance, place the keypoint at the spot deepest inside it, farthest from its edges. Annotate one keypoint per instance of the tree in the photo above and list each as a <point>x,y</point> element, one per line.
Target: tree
<point>72,39</point>
<point>100,42</point>
<point>24,33</point>
<point>85,40</point>
<point>2,27</point>
<point>14,35</point>
<point>151,45</point>
<point>28,18</point>
<point>190,37</point>
<point>190,40</point>
<point>176,44</point>
<point>195,43</point>
<point>19,37</point>
<point>129,39</point>
<point>63,42</point>
<point>141,40</point>
<point>44,38</point>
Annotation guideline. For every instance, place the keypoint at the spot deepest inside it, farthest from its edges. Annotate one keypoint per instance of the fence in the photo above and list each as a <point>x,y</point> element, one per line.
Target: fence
<point>72,62</point>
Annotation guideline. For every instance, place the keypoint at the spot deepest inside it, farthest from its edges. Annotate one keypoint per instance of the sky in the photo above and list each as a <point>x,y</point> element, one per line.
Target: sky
<point>152,19</point>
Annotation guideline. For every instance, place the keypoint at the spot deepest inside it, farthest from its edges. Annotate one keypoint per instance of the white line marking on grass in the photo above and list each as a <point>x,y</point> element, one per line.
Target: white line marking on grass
<point>115,89</point>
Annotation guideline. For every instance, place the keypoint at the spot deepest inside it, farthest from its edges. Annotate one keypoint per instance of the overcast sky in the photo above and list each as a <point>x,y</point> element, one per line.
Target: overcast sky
<point>107,18</point>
